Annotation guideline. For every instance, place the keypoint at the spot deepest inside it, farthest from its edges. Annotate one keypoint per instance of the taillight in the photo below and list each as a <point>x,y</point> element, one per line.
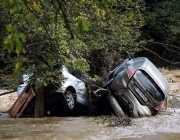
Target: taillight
<point>130,73</point>
<point>159,107</point>
<point>61,76</point>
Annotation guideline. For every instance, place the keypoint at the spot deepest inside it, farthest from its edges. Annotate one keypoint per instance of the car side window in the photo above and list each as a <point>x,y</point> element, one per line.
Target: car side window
<point>77,74</point>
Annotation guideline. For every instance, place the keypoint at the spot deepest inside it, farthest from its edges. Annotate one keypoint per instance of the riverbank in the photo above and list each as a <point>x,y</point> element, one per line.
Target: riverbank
<point>173,77</point>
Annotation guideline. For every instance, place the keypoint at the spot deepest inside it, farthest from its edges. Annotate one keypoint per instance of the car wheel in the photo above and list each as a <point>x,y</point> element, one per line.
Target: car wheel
<point>70,100</point>
<point>154,112</point>
<point>115,106</point>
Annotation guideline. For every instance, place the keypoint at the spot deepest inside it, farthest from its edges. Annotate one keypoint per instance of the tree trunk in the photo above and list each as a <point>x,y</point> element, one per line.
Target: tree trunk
<point>39,103</point>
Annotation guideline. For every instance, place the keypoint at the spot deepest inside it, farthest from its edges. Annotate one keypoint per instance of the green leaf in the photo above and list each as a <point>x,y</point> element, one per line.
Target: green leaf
<point>18,46</point>
<point>79,63</point>
<point>103,4</point>
<point>129,1</point>
<point>130,15</point>
<point>140,15</point>
<point>18,65</point>
<point>36,6</point>
<point>31,18</point>
<point>23,37</point>
<point>9,27</point>
<point>83,25</point>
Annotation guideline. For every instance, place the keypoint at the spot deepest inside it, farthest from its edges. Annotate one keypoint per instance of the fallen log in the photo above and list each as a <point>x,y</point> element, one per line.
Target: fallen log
<point>8,92</point>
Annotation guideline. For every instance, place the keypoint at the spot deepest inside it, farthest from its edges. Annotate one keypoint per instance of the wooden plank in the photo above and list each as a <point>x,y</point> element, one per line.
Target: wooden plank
<point>18,103</point>
<point>32,94</point>
<point>21,103</point>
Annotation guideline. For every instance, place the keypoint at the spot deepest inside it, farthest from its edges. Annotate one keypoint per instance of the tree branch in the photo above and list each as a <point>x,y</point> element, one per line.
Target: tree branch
<point>38,56</point>
<point>159,57</point>
<point>165,45</point>
<point>65,18</point>
<point>36,17</point>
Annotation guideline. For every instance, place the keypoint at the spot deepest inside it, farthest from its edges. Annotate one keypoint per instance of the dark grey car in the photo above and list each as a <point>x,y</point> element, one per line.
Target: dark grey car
<point>138,86</point>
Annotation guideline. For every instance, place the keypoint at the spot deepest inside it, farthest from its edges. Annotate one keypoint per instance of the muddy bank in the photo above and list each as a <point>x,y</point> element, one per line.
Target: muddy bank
<point>173,77</point>
<point>6,101</point>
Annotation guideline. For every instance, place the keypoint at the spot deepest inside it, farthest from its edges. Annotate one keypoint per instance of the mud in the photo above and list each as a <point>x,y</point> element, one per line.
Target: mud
<point>6,101</point>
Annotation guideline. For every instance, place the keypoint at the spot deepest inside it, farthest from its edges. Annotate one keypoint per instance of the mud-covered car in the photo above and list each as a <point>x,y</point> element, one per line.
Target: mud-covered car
<point>137,87</point>
<point>72,89</point>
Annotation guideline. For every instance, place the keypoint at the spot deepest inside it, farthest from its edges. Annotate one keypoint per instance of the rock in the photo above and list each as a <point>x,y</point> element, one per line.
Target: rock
<point>175,102</point>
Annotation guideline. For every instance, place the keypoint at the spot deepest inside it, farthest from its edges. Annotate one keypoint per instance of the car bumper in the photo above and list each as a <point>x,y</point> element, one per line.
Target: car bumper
<point>130,101</point>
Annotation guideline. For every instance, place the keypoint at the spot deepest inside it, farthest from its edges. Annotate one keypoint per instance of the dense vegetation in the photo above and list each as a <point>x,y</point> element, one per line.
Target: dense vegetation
<point>85,35</point>
<point>161,30</point>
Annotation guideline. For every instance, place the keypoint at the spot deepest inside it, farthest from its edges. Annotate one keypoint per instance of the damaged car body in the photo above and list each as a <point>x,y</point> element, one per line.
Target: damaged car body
<point>135,88</point>
<point>138,87</point>
<point>71,91</point>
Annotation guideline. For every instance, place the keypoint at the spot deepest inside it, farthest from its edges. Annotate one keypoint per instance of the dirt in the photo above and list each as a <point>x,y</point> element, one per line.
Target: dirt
<point>173,77</point>
<point>6,101</point>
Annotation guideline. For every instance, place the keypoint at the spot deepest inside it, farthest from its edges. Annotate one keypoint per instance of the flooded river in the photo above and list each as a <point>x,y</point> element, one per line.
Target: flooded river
<point>165,126</point>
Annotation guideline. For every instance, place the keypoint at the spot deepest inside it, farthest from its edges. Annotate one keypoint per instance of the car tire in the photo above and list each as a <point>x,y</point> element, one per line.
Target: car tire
<point>115,106</point>
<point>70,101</point>
<point>154,112</point>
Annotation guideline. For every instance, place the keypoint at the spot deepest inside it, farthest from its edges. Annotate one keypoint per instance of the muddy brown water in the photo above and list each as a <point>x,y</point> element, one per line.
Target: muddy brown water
<point>165,126</point>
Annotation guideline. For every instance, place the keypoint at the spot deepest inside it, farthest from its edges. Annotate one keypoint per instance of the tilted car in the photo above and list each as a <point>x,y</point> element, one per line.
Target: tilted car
<point>138,86</point>
<point>72,89</point>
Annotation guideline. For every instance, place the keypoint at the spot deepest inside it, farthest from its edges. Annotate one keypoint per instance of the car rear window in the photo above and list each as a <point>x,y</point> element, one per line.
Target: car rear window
<point>150,85</point>
<point>137,62</point>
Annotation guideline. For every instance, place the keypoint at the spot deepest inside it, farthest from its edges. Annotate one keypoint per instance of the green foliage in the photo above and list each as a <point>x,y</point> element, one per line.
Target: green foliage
<point>163,27</point>
<point>14,40</point>
<point>164,18</point>
<point>83,25</point>
<point>48,33</point>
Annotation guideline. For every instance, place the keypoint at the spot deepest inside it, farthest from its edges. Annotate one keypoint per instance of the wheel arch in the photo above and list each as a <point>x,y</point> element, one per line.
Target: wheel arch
<point>72,89</point>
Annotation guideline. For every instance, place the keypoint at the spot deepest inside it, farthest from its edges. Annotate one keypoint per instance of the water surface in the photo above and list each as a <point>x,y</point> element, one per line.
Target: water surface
<point>165,126</point>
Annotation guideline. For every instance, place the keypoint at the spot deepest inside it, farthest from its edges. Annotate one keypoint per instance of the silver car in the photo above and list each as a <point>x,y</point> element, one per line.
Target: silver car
<point>138,86</point>
<point>72,89</point>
